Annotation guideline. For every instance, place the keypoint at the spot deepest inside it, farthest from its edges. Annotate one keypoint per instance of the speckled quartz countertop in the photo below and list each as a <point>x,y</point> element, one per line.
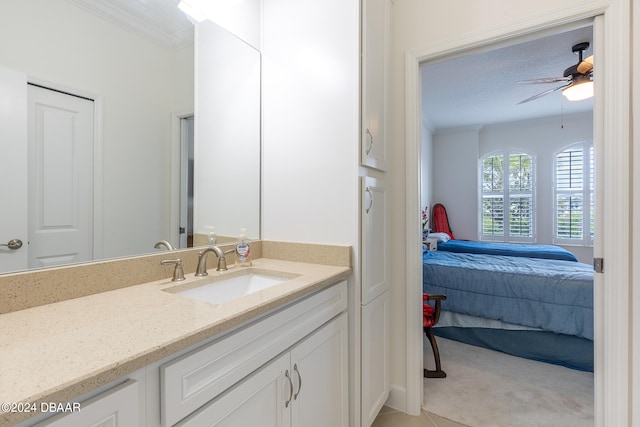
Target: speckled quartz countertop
<point>58,351</point>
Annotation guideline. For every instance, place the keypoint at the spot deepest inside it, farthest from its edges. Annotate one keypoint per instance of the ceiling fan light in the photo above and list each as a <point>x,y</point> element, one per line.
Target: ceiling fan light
<point>579,91</point>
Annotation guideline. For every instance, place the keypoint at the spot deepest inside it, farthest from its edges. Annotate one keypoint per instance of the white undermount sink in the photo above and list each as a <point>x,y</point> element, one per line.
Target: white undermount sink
<point>218,290</point>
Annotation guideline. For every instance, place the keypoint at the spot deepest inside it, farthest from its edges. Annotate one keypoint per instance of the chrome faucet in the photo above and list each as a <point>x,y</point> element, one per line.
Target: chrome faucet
<point>201,270</point>
<point>164,243</point>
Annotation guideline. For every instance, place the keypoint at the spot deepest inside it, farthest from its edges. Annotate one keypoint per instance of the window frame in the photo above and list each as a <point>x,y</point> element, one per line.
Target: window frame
<point>506,154</point>
<point>588,195</point>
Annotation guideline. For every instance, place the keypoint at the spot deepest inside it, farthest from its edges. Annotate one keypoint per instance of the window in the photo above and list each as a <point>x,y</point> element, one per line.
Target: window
<point>574,195</point>
<point>507,197</point>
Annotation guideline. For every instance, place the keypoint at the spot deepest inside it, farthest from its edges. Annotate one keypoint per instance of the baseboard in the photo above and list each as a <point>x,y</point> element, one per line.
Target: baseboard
<point>397,398</point>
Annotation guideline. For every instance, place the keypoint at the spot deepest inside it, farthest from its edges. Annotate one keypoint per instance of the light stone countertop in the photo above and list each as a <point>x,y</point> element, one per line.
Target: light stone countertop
<point>57,352</point>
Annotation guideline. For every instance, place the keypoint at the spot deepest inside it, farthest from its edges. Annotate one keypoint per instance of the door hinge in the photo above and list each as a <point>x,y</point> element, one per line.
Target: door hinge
<point>182,230</point>
<point>598,265</point>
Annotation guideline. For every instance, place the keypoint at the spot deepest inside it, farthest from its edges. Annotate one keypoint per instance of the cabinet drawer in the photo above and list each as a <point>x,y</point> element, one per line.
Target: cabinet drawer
<point>117,407</point>
<point>194,379</point>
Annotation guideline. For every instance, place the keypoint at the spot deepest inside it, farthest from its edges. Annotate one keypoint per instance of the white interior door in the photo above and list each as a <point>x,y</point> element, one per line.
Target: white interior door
<point>13,166</point>
<point>60,134</point>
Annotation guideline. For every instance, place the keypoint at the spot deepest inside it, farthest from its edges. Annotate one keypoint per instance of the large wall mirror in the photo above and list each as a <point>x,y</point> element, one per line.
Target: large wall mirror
<point>143,100</point>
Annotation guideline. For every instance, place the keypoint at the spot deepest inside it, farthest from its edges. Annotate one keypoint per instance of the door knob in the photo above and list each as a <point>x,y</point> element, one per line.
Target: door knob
<point>13,244</point>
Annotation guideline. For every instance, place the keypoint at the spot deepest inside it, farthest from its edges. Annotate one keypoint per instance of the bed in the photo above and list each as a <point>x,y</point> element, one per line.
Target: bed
<point>537,308</point>
<point>507,249</point>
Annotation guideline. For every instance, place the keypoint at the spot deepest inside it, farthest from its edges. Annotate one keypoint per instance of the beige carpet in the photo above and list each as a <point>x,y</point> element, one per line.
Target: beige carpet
<point>485,388</point>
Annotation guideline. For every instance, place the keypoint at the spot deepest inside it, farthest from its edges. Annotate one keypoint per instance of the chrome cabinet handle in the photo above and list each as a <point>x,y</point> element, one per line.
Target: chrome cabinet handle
<point>13,244</point>
<point>295,368</point>
<point>367,190</point>
<point>286,374</point>
<point>370,141</point>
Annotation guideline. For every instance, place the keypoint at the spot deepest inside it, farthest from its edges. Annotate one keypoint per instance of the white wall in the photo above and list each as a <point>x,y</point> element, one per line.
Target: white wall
<point>244,20</point>
<point>311,117</point>
<point>416,24</point>
<point>426,161</point>
<point>54,41</point>
<point>457,186</point>
<point>310,121</point>
<point>455,178</point>
<point>182,79</point>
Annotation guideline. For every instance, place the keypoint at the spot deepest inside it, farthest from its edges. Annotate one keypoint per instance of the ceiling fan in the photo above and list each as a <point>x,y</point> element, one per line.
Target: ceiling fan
<point>578,78</point>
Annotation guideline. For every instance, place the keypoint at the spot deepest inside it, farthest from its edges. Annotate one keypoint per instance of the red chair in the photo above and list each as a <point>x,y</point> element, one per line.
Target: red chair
<point>431,315</point>
<point>441,220</point>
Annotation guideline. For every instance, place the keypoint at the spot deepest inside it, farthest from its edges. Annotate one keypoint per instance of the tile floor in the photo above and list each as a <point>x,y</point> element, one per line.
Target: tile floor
<point>391,418</point>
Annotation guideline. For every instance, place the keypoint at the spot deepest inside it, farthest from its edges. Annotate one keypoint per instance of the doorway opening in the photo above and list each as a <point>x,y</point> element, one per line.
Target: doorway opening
<point>187,125</point>
<point>428,194</point>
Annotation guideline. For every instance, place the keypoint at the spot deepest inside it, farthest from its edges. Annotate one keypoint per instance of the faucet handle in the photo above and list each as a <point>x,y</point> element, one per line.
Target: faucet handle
<point>222,261</point>
<point>178,272</point>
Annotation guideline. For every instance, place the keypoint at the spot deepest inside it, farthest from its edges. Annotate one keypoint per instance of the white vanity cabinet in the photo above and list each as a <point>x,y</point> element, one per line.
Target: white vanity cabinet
<point>225,381</point>
<point>117,407</point>
<point>286,367</point>
<point>306,386</point>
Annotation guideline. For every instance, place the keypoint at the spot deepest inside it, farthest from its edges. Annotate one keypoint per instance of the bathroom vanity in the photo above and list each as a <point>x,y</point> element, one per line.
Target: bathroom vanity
<point>147,355</point>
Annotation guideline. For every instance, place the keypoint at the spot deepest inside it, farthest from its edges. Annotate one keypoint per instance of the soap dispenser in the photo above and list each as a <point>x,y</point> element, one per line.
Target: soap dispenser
<point>243,249</point>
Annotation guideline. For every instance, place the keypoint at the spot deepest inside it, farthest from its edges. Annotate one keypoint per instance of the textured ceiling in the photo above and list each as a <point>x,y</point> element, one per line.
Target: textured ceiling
<point>481,88</point>
<point>159,21</point>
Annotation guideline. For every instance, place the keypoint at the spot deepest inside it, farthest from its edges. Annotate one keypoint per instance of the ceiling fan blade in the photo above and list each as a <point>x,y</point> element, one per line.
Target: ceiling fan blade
<point>545,80</point>
<point>541,94</point>
<point>585,66</point>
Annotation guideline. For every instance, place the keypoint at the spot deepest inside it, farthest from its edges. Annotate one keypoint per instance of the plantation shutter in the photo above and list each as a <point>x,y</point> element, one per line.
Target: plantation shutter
<point>507,197</point>
<point>575,204</point>
<point>520,195</point>
<point>493,196</point>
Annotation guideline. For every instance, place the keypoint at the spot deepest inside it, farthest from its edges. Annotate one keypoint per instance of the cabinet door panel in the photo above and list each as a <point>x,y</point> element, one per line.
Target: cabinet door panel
<point>320,377</point>
<point>259,400</point>
<point>374,152</point>
<point>375,242</point>
<point>375,357</point>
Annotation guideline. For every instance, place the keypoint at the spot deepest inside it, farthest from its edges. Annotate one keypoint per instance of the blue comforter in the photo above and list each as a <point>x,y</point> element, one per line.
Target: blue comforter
<point>508,249</point>
<point>552,295</point>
